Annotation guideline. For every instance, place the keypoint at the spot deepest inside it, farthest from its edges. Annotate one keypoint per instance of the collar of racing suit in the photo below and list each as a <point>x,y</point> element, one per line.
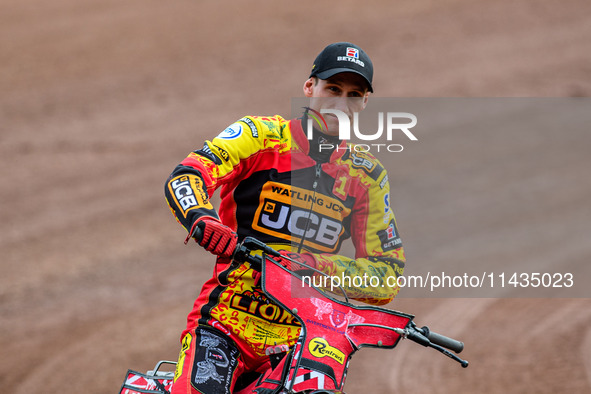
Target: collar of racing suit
<point>332,147</point>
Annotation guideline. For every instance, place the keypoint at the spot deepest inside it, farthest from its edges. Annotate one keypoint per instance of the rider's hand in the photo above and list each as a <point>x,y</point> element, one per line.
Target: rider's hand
<point>218,238</point>
<point>305,258</point>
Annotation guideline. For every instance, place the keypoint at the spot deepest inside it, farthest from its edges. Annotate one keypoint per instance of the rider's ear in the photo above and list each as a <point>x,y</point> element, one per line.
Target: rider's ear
<point>365,99</point>
<point>309,87</point>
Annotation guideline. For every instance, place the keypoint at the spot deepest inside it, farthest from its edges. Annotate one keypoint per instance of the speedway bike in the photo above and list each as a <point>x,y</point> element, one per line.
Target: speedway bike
<point>332,330</point>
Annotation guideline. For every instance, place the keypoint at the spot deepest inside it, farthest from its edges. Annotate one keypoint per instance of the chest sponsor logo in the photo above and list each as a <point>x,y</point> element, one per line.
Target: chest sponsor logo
<point>284,212</point>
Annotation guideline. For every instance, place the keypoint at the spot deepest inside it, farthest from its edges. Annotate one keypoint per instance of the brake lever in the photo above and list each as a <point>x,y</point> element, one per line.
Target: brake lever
<point>414,334</point>
<point>243,252</point>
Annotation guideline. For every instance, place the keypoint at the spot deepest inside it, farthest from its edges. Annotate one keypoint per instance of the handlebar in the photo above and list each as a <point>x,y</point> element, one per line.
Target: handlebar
<point>442,340</point>
<point>423,335</point>
<point>244,249</point>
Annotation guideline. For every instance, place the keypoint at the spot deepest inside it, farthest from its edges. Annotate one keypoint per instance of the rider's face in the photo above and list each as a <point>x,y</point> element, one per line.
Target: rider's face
<point>346,92</point>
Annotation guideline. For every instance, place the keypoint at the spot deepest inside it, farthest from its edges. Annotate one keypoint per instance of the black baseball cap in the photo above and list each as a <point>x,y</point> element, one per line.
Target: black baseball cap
<point>343,57</point>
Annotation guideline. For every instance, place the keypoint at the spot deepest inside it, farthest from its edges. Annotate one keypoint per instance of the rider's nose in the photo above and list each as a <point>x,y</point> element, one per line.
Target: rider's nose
<point>342,104</point>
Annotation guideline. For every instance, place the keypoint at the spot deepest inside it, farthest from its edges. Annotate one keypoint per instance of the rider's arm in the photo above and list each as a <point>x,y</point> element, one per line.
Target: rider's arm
<point>379,255</point>
<point>221,161</point>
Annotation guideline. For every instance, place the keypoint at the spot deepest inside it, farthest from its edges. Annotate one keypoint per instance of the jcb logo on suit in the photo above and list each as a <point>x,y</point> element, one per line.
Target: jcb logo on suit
<point>284,212</point>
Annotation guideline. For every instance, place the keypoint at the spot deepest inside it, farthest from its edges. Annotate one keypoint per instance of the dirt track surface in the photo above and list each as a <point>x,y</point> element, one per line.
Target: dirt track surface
<point>100,100</point>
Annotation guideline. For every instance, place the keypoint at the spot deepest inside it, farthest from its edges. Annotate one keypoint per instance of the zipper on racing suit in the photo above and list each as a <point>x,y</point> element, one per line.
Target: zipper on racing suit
<point>318,169</point>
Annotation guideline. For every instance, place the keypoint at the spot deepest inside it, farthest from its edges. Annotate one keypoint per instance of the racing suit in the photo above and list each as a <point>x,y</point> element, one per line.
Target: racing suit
<point>272,189</point>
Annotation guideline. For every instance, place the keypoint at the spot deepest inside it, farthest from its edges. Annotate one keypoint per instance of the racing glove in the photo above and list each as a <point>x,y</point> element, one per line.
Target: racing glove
<point>217,238</point>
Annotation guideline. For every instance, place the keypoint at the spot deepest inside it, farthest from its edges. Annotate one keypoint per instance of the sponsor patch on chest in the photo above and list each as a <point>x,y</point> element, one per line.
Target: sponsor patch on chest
<point>290,213</point>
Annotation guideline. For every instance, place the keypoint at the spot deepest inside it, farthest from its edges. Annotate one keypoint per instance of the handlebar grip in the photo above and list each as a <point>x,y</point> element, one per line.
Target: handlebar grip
<point>444,341</point>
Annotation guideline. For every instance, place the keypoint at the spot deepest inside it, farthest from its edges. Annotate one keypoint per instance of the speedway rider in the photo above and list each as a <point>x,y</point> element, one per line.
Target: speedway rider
<point>280,187</point>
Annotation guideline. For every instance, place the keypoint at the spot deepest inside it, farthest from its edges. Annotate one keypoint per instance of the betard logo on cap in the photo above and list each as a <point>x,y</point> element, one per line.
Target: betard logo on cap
<point>353,52</point>
<point>352,55</point>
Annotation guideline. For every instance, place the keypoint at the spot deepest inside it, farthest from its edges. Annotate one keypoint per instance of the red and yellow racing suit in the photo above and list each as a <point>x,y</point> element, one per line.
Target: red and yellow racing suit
<point>273,190</point>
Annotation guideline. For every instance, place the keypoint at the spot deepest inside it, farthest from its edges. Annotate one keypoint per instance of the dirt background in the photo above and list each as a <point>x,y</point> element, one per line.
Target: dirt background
<point>99,100</point>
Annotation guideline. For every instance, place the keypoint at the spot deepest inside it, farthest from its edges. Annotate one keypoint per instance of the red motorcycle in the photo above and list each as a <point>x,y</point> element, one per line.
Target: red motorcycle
<point>332,330</point>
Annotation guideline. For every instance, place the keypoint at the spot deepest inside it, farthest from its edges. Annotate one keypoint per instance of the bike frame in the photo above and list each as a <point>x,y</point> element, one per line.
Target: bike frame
<point>332,331</point>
